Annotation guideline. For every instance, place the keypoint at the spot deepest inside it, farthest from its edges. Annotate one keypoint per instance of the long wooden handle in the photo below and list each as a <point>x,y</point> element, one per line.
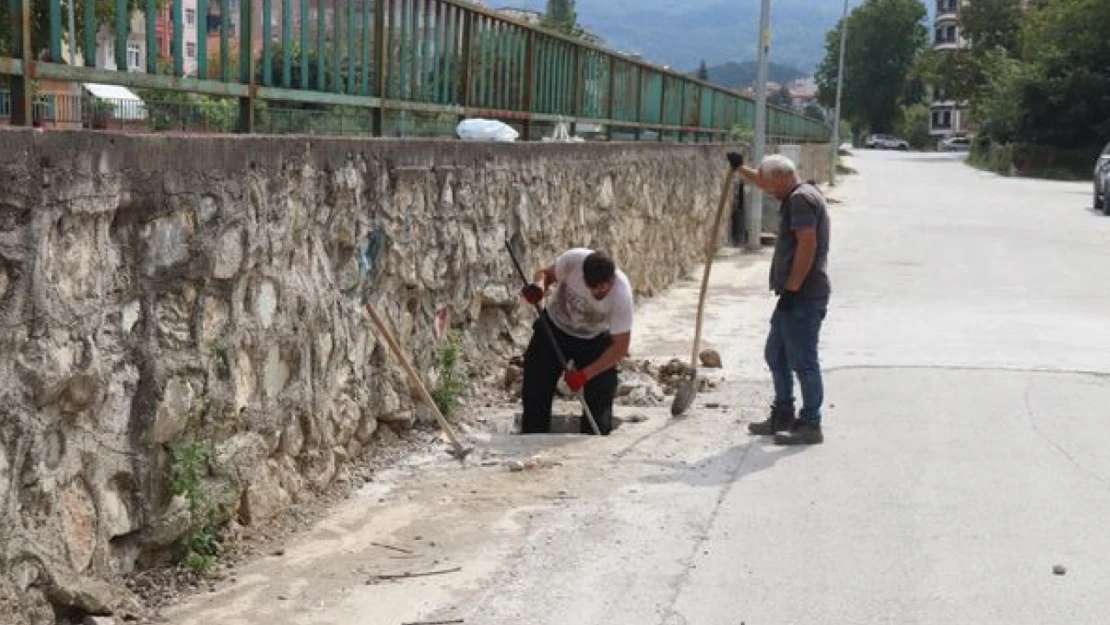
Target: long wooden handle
<point>413,378</point>
<point>711,251</point>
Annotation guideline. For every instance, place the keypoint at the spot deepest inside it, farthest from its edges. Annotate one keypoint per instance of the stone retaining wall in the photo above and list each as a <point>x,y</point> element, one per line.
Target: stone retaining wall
<point>166,295</point>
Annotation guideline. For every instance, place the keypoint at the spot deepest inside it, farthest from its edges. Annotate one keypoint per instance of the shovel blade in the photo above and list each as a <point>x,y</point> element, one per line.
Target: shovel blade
<point>684,395</point>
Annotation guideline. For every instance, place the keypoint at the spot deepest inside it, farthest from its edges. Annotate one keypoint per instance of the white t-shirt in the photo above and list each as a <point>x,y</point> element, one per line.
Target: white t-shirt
<point>574,309</point>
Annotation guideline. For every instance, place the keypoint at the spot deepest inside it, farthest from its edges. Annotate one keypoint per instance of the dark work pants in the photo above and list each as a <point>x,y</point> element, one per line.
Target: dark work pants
<point>542,372</point>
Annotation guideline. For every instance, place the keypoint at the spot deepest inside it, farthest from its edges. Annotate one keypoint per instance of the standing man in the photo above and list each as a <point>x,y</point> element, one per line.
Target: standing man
<point>590,315</point>
<point>800,278</point>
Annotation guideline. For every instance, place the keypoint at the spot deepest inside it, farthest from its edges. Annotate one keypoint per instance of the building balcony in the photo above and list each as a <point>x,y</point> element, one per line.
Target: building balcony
<point>946,45</point>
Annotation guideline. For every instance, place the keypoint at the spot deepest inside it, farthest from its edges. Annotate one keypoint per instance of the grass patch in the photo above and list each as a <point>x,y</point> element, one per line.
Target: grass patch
<point>450,384</point>
<point>201,545</point>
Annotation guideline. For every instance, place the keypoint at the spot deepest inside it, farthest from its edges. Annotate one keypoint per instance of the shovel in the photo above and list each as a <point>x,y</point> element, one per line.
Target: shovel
<point>554,342</point>
<point>688,388</point>
<point>458,450</point>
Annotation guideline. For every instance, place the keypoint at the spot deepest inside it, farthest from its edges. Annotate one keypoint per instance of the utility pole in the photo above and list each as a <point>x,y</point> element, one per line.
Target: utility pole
<point>755,214</point>
<point>839,90</point>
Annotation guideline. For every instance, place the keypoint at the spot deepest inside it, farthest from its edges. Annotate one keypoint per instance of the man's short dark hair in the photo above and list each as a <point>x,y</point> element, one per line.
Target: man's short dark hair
<point>598,269</point>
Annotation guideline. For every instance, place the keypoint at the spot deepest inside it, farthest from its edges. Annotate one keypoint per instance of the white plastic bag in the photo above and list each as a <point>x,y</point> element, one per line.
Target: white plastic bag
<point>485,130</point>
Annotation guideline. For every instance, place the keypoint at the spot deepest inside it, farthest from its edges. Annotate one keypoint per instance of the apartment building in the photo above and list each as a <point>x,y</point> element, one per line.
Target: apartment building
<point>948,116</point>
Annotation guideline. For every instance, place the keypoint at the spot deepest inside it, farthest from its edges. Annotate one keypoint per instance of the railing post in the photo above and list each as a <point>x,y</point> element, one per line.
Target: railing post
<point>579,68</point>
<point>123,30</point>
<point>178,38</point>
<point>663,107</point>
<point>246,67</point>
<point>380,65</point>
<point>529,81</point>
<point>23,105</point>
<point>640,100</point>
<point>611,95</point>
<point>56,31</point>
<point>468,61</point>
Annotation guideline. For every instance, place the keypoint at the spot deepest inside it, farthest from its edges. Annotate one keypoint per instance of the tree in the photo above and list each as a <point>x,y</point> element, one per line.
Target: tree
<point>1065,81</point>
<point>560,16</point>
<point>703,71</point>
<point>885,38</point>
<point>988,24</point>
<point>913,125</point>
<point>814,111</point>
<point>781,98</point>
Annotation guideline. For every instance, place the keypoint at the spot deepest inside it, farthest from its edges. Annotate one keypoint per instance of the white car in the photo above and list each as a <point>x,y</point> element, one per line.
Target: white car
<point>954,144</point>
<point>887,142</point>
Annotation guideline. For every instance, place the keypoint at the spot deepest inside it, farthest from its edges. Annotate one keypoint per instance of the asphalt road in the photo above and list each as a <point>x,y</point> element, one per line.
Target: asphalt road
<point>967,352</point>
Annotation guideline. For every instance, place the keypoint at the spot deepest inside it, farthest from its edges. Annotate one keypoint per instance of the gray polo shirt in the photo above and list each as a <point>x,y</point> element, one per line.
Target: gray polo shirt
<point>803,208</point>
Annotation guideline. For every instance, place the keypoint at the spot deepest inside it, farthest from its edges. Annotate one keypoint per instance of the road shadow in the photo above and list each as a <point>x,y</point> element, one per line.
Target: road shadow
<point>726,467</point>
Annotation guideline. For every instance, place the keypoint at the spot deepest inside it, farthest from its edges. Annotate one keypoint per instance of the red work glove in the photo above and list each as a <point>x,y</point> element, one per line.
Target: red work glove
<point>532,293</point>
<point>576,379</point>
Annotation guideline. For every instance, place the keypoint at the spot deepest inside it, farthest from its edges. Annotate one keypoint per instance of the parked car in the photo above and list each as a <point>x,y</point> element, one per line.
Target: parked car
<point>1102,180</point>
<point>886,142</point>
<point>954,144</point>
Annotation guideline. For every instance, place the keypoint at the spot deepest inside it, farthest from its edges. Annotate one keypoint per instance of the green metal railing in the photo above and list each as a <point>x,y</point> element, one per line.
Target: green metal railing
<point>389,58</point>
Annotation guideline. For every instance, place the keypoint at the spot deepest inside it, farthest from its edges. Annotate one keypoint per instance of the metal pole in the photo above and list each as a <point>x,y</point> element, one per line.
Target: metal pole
<point>755,215</point>
<point>839,90</point>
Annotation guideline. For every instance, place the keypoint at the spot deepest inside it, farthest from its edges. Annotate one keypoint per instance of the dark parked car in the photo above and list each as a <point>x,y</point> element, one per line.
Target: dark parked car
<point>1102,180</point>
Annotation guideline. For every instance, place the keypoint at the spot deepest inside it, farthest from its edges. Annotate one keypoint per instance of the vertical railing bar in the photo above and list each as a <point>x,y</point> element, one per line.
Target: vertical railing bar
<point>380,63</point>
<point>91,27</point>
<point>414,48</point>
<point>286,43</point>
<point>321,55</point>
<point>428,35</point>
<point>56,31</point>
<point>336,36</point>
<point>664,114</point>
<point>178,38</point>
<point>123,29</point>
<point>537,73</point>
<point>402,64</point>
<point>450,26</point>
<point>507,66</point>
<point>544,75</point>
<point>267,42</point>
<point>467,65</point>
<point>352,27</point>
<point>440,60</point>
<point>364,83</point>
<point>305,28</point>
<point>482,34</point>
<point>202,38</point>
<point>246,66</point>
<point>225,35</point>
<point>519,37</point>
<point>498,86</point>
<point>151,15</point>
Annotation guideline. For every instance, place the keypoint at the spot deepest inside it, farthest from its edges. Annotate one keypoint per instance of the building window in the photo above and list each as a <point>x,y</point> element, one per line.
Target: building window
<point>134,56</point>
<point>190,49</point>
<point>190,17</point>
<point>946,34</point>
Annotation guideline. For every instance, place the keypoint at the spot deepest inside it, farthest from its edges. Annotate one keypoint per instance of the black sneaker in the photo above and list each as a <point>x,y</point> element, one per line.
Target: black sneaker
<point>801,434</point>
<point>781,420</point>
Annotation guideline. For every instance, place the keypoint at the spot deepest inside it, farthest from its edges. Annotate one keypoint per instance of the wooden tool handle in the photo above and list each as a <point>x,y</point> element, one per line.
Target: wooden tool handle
<point>711,251</point>
<point>413,378</point>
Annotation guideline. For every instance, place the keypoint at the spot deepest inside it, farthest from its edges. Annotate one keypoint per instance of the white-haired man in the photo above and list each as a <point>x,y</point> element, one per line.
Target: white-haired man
<point>800,278</point>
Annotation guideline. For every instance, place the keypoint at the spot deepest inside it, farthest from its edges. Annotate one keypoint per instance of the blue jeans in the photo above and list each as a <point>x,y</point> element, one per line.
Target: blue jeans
<point>792,350</point>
